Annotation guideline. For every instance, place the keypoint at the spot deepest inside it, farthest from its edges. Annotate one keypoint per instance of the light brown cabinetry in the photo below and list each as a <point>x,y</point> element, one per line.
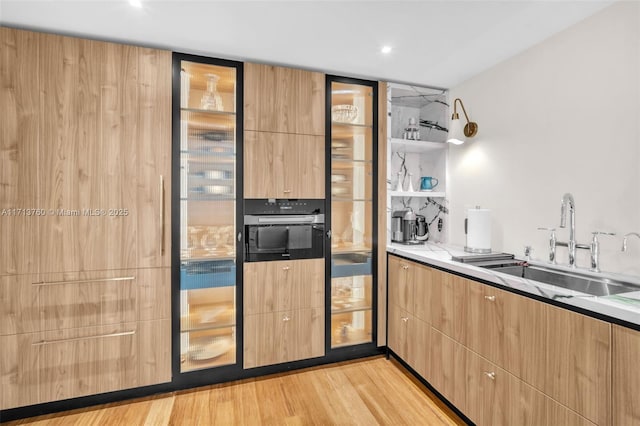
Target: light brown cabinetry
<point>284,336</point>
<point>409,338</point>
<point>86,141</point>
<point>86,333</point>
<point>538,372</point>
<point>626,376</point>
<point>280,165</point>
<point>283,311</point>
<point>283,100</point>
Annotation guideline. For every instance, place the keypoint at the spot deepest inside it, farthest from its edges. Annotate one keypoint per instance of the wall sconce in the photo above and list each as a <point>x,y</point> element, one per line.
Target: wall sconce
<point>456,132</point>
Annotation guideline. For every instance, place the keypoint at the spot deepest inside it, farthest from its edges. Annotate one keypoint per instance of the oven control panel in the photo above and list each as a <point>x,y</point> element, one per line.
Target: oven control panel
<point>283,206</point>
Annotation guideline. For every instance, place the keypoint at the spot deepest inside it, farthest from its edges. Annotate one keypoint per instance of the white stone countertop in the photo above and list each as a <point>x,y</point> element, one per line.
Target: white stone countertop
<point>623,307</point>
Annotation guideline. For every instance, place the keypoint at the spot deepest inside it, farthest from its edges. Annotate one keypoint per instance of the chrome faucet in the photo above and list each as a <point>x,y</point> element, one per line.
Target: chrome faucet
<point>567,200</point>
<point>552,244</point>
<point>595,250</point>
<point>624,240</point>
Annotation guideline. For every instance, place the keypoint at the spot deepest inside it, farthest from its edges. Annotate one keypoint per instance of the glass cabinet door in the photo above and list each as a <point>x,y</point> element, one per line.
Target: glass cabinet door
<point>352,213</point>
<point>208,180</point>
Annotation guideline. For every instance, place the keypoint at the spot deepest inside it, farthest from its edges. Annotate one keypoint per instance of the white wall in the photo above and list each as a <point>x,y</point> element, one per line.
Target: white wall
<point>563,116</point>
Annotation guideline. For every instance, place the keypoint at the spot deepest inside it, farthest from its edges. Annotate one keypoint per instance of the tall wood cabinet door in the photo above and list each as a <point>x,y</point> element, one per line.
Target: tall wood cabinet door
<point>579,364</point>
<point>88,159</point>
<point>626,376</point>
<point>279,165</point>
<point>401,287</point>
<point>19,373</point>
<point>19,153</point>
<point>283,100</point>
<point>153,154</point>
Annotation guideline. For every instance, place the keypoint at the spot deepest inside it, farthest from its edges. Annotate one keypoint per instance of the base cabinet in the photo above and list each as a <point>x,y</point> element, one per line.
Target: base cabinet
<point>499,357</point>
<point>55,365</point>
<point>285,336</point>
<point>283,311</point>
<point>626,376</point>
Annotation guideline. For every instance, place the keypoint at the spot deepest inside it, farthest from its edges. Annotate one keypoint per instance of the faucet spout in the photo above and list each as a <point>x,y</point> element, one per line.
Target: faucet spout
<point>568,203</point>
<point>624,240</point>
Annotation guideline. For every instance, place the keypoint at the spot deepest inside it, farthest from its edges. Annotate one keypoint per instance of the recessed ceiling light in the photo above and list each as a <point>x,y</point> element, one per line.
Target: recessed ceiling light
<point>136,3</point>
<point>386,49</point>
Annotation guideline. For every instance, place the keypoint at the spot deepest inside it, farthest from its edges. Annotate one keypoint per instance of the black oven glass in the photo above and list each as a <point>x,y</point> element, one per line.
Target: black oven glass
<point>271,238</point>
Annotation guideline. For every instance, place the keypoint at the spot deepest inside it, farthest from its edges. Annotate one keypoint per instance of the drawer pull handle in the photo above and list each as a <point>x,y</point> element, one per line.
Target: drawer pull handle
<point>490,375</point>
<point>95,280</point>
<point>287,191</point>
<point>490,298</point>
<point>404,319</point>
<point>405,267</point>
<point>161,215</point>
<point>286,268</point>
<point>75,339</point>
<point>285,318</point>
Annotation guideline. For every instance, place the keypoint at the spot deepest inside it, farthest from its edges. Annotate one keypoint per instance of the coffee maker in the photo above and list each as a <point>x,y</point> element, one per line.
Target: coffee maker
<point>404,227</point>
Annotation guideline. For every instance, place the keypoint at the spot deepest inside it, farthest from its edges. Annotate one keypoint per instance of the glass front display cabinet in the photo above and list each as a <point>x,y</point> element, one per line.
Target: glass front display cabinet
<point>208,226</point>
<point>352,137</point>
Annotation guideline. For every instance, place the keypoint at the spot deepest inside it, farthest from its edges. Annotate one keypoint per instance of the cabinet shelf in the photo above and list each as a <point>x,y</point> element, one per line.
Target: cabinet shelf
<point>350,199</point>
<point>208,111</point>
<point>417,194</point>
<point>205,327</point>
<point>404,145</point>
<point>351,125</point>
<point>208,197</point>
<point>353,309</point>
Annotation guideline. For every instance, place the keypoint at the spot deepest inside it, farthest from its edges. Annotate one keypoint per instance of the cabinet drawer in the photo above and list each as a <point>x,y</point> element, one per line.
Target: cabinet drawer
<point>283,285</point>
<point>409,338</point>
<point>54,365</point>
<point>277,337</point>
<point>401,286</point>
<point>75,300</point>
<point>30,303</point>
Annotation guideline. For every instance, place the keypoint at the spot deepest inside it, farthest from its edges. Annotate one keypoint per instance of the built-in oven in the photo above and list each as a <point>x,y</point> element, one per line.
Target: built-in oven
<point>280,229</point>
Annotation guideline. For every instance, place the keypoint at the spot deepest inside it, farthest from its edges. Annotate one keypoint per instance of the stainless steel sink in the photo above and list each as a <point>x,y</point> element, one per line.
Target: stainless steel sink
<point>574,280</point>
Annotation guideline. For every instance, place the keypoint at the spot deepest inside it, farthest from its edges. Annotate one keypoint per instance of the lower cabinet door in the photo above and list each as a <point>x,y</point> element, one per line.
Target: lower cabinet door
<point>54,365</point>
<point>409,338</point>
<point>284,336</point>
<point>91,360</point>
<point>488,395</point>
<point>18,371</point>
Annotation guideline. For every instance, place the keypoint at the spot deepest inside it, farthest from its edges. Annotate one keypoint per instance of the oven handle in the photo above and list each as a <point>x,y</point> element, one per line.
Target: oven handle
<point>279,219</point>
<point>283,219</point>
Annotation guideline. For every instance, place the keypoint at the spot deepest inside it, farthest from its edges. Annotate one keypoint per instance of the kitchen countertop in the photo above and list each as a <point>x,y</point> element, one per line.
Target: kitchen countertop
<point>620,308</point>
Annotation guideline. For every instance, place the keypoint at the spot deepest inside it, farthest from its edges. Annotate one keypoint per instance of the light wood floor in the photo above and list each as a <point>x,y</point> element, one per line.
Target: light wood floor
<point>364,392</point>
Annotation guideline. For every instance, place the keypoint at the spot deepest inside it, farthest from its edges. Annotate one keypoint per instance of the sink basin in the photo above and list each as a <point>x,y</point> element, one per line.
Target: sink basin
<point>573,281</point>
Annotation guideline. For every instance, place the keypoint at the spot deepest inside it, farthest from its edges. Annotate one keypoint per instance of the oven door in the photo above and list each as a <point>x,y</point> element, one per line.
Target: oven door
<point>283,238</point>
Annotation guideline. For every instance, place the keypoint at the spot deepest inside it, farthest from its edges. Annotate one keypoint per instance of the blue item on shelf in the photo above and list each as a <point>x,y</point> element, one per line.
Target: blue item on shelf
<point>350,265</point>
<point>207,274</point>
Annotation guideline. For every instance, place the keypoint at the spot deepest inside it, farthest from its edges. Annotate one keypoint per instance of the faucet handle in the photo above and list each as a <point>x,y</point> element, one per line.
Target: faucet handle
<point>596,233</point>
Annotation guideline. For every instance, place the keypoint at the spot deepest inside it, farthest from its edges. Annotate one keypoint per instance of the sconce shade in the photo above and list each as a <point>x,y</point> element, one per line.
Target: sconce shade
<point>457,133</point>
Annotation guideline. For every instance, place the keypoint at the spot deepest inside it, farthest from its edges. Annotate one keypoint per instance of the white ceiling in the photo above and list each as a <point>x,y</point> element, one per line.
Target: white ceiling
<point>435,43</point>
